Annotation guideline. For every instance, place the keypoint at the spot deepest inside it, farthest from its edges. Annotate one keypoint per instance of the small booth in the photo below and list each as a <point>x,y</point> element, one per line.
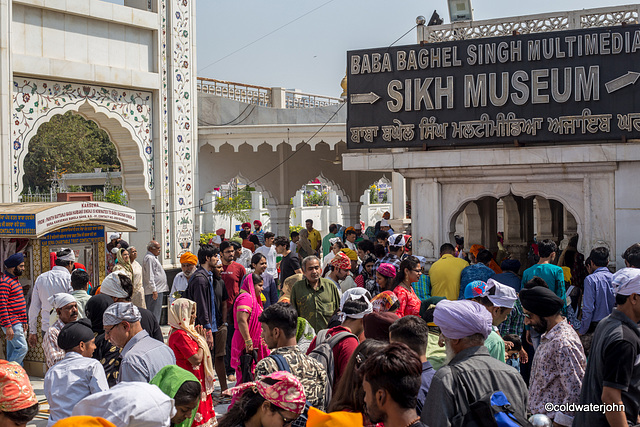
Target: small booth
<point>37,229</point>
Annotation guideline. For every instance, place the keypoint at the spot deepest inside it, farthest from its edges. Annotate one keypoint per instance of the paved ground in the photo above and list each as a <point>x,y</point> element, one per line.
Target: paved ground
<point>42,418</point>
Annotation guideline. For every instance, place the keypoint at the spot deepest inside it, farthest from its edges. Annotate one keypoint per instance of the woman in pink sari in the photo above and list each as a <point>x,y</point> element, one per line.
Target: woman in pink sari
<point>246,310</point>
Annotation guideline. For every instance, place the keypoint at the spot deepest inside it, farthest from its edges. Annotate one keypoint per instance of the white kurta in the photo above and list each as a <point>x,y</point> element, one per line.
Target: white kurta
<point>57,280</point>
<point>71,380</point>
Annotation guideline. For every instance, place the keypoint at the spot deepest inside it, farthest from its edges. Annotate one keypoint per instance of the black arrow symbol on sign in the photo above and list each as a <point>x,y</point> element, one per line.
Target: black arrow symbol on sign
<point>618,83</point>
<point>364,98</point>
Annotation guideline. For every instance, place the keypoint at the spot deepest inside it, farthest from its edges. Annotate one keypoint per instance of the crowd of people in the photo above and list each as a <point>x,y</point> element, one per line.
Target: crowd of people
<point>350,328</point>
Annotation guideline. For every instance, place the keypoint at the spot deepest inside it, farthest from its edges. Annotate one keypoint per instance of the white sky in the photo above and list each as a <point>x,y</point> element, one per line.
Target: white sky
<point>310,53</point>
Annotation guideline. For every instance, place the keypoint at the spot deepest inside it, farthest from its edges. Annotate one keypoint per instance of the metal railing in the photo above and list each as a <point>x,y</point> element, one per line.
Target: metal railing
<point>98,196</point>
<point>263,96</point>
<point>295,99</point>
<point>249,94</point>
<point>540,23</point>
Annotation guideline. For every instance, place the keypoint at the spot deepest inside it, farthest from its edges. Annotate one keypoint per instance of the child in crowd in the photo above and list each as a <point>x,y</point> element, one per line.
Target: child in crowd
<point>513,350</point>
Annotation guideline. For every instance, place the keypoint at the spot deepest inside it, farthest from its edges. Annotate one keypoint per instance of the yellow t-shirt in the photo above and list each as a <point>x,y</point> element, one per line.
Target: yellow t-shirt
<point>315,239</point>
<point>445,277</point>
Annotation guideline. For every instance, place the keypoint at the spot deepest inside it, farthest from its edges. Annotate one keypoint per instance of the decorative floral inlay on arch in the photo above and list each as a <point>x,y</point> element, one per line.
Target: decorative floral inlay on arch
<point>35,101</point>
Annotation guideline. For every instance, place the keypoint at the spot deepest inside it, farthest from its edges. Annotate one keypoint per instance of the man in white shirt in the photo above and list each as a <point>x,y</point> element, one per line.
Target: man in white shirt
<point>188,263</point>
<point>269,252</point>
<point>350,239</point>
<point>67,311</point>
<point>77,375</point>
<point>241,254</point>
<point>154,280</point>
<point>56,280</point>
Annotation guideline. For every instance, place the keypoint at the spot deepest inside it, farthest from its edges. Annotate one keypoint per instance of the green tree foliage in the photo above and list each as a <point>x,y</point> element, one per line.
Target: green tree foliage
<point>234,207</point>
<point>70,144</point>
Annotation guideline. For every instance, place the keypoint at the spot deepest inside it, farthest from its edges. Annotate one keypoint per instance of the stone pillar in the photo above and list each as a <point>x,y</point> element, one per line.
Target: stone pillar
<point>279,217</point>
<point>489,220</point>
<point>544,219</point>
<point>472,226</point>
<point>278,97</point>
<point>6,145</point>
<point>427,227</point>
<point>176,130</point>
<point>351,213</point>
<point>570,224</point>
<point>334,208</point>
<point>399,202</point>
<point>513,230</point>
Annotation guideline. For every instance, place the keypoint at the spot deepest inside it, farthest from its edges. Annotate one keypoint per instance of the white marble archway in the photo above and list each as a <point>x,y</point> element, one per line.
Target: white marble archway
<point>125,115</point>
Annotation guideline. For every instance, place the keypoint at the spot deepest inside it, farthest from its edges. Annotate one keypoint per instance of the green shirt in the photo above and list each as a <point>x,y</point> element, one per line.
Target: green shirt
<point>436,355</point>
<point>317,306</point>
<point>81,297</point>
<point>326,245</point>
<point>495,345</point>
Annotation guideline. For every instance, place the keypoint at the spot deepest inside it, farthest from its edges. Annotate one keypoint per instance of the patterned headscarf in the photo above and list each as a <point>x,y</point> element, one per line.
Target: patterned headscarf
<point>384,301</point>
<point>121,312</point>
<point>341,261</point>
<point>125,264</point>
<point>387,270</point>
<point>180,318</point>
<point>286,394</point>
<point>16,392</point>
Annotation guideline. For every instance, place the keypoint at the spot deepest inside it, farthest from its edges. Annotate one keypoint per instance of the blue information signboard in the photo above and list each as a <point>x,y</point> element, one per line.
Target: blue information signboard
<point>73,235</point>
<point>23,225</point>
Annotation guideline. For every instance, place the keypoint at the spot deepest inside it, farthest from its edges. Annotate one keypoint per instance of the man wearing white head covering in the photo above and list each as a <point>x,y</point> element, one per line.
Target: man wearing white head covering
<point>142,355</point>
<point>132,404</point>
<point>54,281</point>
<point>498,299</point>
<point>613,372</point>
<point>471,370</point>
<point>117,287</point>
<point>352,311</point>
<point>66,308</point>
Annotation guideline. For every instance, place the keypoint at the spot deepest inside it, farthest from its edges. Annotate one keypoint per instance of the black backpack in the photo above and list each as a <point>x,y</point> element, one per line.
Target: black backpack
<point>491,410</point>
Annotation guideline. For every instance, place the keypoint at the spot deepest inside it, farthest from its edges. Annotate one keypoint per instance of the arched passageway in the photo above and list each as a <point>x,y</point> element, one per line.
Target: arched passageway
<point>519,220</point>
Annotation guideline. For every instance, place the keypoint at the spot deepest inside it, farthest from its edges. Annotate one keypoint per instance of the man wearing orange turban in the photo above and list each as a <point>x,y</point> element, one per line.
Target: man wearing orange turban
<point>188,263</point>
